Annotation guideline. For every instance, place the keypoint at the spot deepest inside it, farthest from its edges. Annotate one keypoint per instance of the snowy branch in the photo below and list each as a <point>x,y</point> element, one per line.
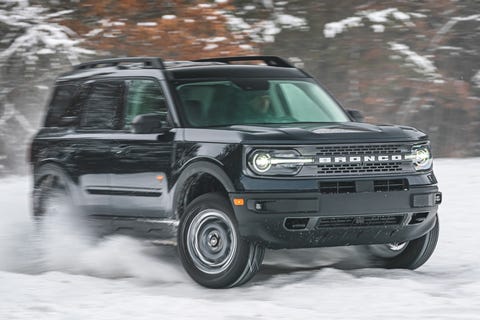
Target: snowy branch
<point>421,64</point>
<point>265,30</point>
<point>450,24</point>
<point>377,18</point>
<point>39,35</point>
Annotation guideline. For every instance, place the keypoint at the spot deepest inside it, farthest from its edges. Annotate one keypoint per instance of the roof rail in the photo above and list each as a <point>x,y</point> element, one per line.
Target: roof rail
<point>149,62</point>
<point>273,61</point>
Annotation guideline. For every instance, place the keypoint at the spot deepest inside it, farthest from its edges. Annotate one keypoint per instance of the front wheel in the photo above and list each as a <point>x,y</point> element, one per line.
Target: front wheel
<point>210,246</point>
<point>407,255</point>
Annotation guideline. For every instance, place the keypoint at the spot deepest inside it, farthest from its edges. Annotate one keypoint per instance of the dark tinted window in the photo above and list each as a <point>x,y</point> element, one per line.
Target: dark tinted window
<point>102,105</point>
<point>60,105</point>
<point>144,96</point>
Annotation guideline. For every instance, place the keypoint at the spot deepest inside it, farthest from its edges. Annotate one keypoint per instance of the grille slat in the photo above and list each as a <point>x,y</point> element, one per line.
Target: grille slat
<point>360,149</point>
<point>359,221</point>
<point>384,185</point>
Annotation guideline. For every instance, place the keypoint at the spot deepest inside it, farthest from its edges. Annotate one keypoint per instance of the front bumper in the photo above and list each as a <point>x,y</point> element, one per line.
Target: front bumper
<point>311,219</point>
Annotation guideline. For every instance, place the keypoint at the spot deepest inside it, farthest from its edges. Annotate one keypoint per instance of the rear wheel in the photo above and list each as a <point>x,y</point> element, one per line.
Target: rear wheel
<point>210,246</point>
<point>406,255</point>
<point>50,188</point>
<point>52,199</point>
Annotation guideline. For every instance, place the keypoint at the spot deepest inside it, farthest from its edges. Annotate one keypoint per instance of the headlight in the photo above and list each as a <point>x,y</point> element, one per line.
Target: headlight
<point>421,157</point>
<point>277,162</point>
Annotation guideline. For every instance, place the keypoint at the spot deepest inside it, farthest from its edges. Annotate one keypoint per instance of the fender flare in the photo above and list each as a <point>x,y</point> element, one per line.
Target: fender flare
<point>54,167</point>
<point>196,168</point>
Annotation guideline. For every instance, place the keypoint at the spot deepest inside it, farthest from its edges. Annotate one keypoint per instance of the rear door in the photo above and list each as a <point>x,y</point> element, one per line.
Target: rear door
<point>101,104</point>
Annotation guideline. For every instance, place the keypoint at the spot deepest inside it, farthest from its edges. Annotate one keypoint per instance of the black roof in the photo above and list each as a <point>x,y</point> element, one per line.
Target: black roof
<point>234,71</point>
<point>223,67</point>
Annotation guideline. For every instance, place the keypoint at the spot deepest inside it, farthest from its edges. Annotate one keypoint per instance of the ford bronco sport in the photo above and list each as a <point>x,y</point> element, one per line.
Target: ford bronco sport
<point>225,158</point>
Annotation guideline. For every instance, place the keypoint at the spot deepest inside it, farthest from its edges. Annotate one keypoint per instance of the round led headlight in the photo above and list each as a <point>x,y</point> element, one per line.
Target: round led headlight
<point>261,162</point>
<point>278,162</point>
<point>422,157</point>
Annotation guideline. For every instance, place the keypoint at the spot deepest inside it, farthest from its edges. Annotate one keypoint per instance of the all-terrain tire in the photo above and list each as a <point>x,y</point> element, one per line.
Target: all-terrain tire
<point>210,246</point>
<point>416,252</point>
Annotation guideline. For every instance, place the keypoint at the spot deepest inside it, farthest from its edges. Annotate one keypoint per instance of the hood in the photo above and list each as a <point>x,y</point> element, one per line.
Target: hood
<point>307,133</point>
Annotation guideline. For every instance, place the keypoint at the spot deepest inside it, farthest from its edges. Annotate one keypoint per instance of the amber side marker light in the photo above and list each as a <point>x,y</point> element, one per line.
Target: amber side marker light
<point>238,201</point>
<point>159,178</point>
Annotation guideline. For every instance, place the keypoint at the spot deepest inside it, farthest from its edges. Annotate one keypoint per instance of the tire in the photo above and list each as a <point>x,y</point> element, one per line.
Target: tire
<point>53,202</point>
<point>408,255</point>
<point>50,185</point>
<point>210,247</point>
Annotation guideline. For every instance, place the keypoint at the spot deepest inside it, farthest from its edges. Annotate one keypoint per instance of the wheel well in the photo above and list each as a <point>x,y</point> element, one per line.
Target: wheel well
<point>196,186</point>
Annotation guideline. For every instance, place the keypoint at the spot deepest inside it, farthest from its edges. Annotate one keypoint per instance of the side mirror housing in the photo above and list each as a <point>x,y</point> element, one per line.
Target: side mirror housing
<point>356,115</point>
<point>148,123</point>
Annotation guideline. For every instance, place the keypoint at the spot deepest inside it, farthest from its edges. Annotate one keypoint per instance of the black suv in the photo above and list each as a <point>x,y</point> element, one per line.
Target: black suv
<point>225,157</point>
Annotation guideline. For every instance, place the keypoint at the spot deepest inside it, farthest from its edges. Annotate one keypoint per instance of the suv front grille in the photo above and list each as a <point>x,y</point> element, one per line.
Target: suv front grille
<point>357,159</point>
<point>359,221</point>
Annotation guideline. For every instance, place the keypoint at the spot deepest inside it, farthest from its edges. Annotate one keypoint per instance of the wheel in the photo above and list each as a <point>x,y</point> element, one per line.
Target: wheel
<point>50,188</point>
<point>52,200</point>
<point>407,255</point>
<point>210,247</point>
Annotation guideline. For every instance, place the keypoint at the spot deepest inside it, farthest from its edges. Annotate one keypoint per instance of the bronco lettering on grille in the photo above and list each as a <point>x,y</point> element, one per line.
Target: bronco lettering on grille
<point>362,159</point>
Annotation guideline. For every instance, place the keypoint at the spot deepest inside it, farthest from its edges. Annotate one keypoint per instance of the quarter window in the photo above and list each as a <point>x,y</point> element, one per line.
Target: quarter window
<point>60,105</point>
<point>144,96</point>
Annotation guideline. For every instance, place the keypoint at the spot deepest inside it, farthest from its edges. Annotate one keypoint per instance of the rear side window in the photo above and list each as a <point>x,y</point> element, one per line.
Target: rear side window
<point>103,104</point>
<point>144,96</point>
<point>60,105</point>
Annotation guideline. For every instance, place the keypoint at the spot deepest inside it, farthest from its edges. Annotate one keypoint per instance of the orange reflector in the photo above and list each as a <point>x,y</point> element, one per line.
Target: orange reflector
<point>238,201</point>
<point>159,178</point>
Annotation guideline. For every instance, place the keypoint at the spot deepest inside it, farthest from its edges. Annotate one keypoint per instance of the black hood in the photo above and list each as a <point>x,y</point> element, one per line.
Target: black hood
<point>307,133</point>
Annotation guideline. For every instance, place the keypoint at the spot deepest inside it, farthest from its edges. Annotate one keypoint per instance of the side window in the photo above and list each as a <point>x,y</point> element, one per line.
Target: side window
<point>144,96</point>
<point>60,105</point>
<point>102,105</point>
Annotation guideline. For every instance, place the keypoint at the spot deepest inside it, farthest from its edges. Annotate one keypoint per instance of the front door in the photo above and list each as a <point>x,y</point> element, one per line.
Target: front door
<point>142,162</point>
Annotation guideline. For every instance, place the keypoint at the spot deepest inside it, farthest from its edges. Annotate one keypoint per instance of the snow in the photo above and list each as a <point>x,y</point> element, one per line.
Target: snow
<point>38,34</point>
<point>379,18</point>
<point>210,46</point>
<point>290,21</point>
<point>333,28</point>
<point>378,27</point>
<point>265,30</point>
<point>69,276</point>
<point>422,64</point>
<point>148,24</point>
<point>476,79</point>
<point>169,16</point>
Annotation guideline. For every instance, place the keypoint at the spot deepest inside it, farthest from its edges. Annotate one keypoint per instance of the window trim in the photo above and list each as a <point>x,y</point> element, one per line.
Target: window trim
<point>162,84</point>
<point>124,111</point>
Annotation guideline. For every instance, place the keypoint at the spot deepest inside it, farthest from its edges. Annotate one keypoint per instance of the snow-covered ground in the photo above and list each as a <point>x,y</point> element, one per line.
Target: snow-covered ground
<point>69,276</point>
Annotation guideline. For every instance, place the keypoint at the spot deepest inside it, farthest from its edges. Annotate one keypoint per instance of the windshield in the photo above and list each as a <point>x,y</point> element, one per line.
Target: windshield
<point>257,101</point>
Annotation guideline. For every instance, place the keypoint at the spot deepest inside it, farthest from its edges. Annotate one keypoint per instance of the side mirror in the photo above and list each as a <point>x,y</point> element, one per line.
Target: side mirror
<point>148,123</point>
<point>356,115</point>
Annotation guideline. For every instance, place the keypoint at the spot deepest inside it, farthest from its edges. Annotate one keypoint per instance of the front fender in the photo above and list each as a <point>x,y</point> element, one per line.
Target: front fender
<point>193,169</point>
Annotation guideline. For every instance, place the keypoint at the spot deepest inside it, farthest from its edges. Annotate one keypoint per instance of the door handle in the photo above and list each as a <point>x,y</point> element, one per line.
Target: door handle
<point>120,150</point>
